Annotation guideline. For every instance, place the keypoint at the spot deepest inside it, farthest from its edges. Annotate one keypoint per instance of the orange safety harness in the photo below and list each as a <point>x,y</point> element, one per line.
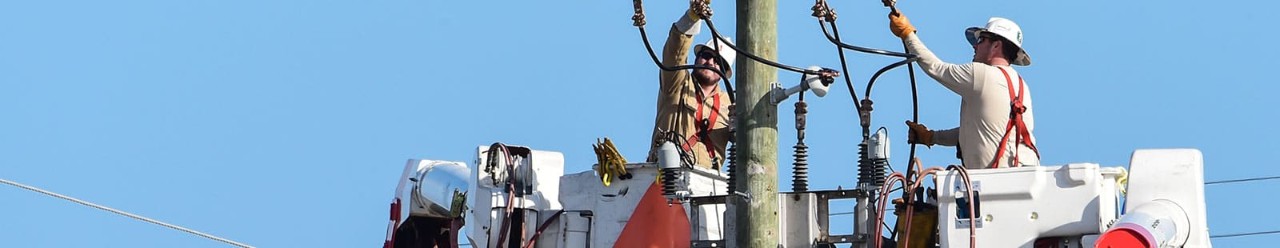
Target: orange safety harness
<point>1016,109</point>
<point>703,126</point>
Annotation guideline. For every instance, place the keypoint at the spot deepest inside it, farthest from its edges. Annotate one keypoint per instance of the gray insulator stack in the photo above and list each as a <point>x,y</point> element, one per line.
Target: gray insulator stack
<point>670,182</point>
<point>800,173</point>
<point>870,171</point>
<point>733,164</point>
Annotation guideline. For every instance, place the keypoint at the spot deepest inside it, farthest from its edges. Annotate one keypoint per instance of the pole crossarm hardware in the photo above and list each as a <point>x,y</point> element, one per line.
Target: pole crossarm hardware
<point>827,16</point>
<point>759,22</point>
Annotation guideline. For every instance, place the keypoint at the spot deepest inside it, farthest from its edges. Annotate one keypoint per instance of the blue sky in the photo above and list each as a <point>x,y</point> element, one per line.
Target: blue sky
<point>286,123</point>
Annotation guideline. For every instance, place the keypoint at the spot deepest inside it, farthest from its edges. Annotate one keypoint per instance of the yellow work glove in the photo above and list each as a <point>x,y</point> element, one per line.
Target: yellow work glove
<point>899,25</point>
<point>919,134</point>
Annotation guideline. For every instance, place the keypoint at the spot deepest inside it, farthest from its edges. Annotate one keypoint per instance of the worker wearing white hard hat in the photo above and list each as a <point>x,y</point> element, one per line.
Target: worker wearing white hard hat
<point>692,104</point>
<point>997,119</point>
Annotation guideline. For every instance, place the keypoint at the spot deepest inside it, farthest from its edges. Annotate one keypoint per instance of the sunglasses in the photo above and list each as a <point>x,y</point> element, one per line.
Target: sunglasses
<point>985,38</point>
<point>707,54</point>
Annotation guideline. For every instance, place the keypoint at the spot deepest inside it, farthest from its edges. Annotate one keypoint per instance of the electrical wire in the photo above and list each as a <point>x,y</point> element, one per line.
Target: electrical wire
<point>716,35</point>
<point>836,40</point>
<point>524,205</point>
<point>644,36</point>
<point>506,219</point>
<point>872,82</point>
<point>915,105</point>
<point>844,66</point>
<point>1242,180</point>
<point>968,187</point>
<point>880,203</point>
<point>1243,234</point>
<point>915,118</point>
<point>825,15</point>
<point>686,156</point>
<point>909,199</point>
<point>509,184</point>
<point>126,214</point>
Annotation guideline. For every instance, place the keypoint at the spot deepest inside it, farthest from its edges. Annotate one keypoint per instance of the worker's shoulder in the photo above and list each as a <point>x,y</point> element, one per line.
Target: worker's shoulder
<point>997,71</point>
<point>985,67</point>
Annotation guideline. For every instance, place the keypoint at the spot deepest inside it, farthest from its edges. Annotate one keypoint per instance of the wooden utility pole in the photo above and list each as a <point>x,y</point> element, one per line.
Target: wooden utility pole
<point>756,219</point>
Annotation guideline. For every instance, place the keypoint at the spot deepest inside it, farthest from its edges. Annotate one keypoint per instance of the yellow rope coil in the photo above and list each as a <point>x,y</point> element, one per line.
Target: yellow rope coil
<point>610,163</point>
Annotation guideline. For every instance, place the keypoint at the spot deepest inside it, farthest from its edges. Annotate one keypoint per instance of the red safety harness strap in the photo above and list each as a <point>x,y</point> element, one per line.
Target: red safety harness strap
<point>1016,109</point>
<point>703,132</point>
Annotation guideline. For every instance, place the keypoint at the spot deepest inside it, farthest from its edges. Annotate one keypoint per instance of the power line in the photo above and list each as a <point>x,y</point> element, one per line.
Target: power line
<point>1242,180</point>
<point>1242,234</point>
<point>126,214</point>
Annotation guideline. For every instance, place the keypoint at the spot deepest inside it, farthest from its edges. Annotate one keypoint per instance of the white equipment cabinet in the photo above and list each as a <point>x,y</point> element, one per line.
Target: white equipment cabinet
<point>1018,205</point>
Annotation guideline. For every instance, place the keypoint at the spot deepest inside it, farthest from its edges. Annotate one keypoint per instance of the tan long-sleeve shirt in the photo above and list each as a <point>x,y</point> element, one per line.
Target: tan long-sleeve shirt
<point>678,102</point>
<point>984,109</point>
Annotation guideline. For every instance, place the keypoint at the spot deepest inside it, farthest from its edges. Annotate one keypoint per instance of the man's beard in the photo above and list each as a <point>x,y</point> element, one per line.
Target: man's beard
<point>702,80</point>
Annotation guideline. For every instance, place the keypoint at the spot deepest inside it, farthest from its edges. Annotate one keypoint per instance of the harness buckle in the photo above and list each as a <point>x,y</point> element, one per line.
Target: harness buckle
<point>703,128</point>
<point>1016,109</point>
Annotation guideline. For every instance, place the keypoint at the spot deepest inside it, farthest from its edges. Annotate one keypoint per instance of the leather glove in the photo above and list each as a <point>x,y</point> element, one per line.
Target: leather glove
<point>696,10</point>
<point>899,25</point>
<point>919,134</point>
<point>691,23</point>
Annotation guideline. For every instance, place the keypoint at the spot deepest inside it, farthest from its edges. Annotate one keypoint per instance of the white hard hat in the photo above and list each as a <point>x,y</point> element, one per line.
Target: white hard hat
<point>727,55</point>
<point>1006,29</point>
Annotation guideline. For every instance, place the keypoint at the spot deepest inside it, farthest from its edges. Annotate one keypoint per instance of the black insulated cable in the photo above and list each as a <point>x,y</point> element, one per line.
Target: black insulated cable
<point>875,76</point>
<point>716,35</point>
<point>648,47</point>
<point>836,40</point>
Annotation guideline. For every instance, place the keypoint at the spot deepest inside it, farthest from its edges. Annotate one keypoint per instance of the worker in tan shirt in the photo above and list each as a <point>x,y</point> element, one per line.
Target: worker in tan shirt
<point>996,116</point>
<point>692,104</point>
